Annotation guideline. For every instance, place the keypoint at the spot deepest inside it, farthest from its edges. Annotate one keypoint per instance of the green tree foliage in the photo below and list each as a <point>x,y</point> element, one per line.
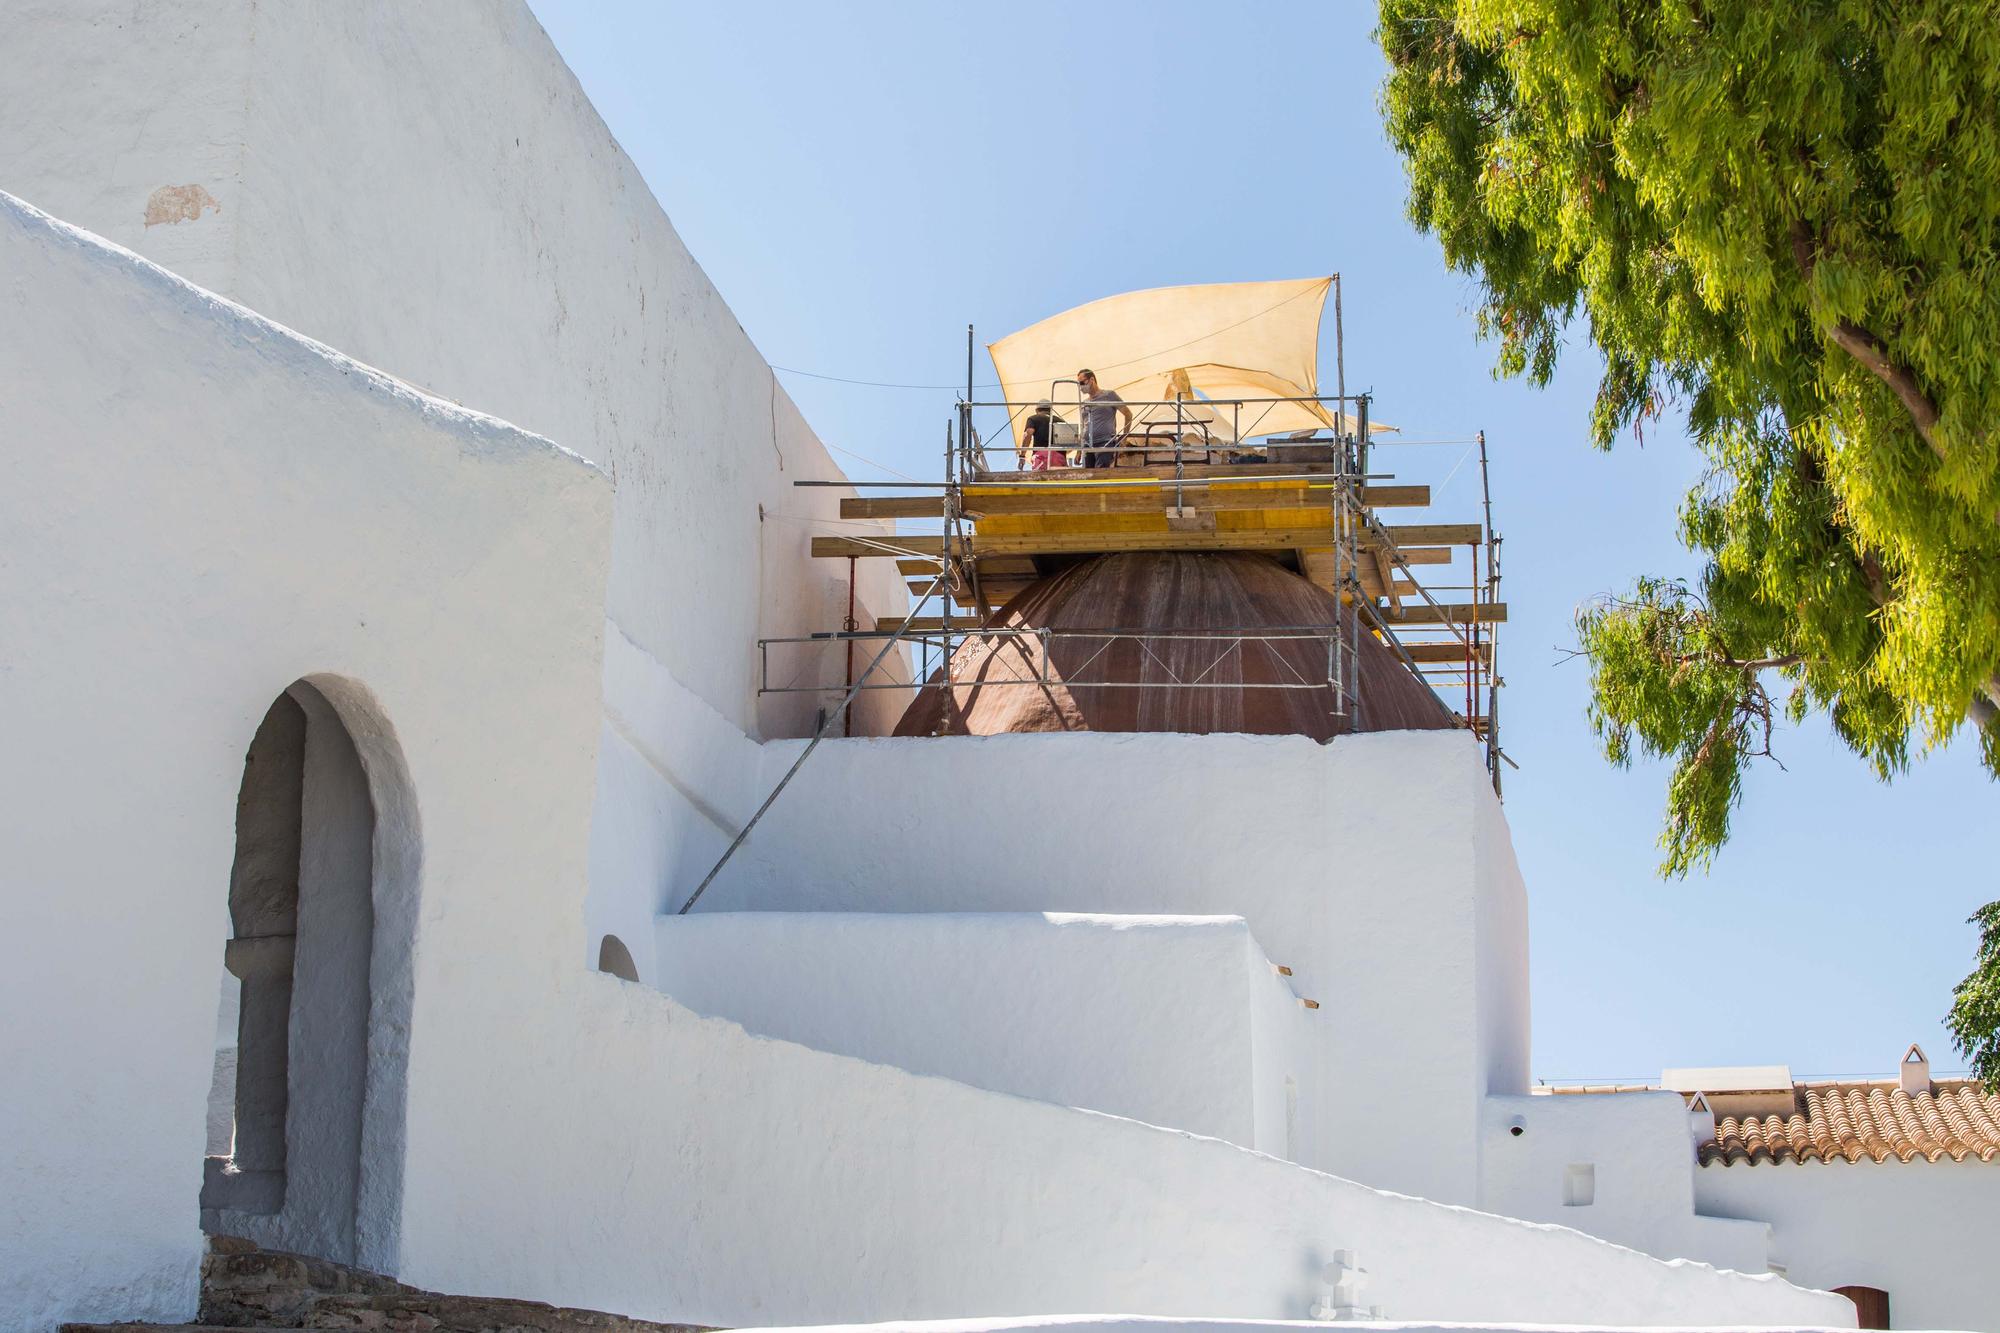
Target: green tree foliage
<point>1975,1011</point>
<point>1783,219</point>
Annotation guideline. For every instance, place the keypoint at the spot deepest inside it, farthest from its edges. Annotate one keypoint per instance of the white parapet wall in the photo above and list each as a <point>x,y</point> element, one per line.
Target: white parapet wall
<point>1112,1323</point>
<point>1621,1167</point>
<point>704,1175</point>
<point>1176,1021</point>
<point>1921,1231</point>
<point>1376,867</point>
<point>203,508</point>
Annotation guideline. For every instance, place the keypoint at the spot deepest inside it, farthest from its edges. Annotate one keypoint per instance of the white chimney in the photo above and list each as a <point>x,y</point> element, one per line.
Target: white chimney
<point>1701,1120</point>
<point>1915,1071</point>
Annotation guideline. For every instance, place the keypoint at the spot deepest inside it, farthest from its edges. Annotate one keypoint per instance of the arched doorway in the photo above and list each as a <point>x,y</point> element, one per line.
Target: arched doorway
<point>306,1111</point>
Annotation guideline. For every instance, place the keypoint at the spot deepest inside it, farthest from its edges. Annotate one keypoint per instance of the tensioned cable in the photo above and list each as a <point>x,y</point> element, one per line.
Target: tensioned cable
<point>871,384</point>
<point>863,458</point>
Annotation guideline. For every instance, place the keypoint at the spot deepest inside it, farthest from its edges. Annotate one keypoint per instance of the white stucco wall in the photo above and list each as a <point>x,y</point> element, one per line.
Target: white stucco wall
<point>1501,951</point>
<point>201,509</point>
<point>700,1174</point>
<point>1111,1323</point>
<point>105,106</point>
<point>427,188</point>
<point>214,508</point>
<point>1640,1156</point>
<point>1922,1231</point>
<point>1176,1021</point>
<point>1353,863</point>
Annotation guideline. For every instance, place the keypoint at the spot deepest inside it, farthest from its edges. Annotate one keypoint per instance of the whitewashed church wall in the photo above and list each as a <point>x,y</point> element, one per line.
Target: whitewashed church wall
<point>1152,1018</point>
<point>701,1174</point>
<point>445,202</point>
<point>1113,1323</point>
<point>1353,863</point>
<point>128,120</point>
<point>1620,1167</point>
<point>1501,953</point>
<point>1921,1231</point>
<point>1286,1062</point>
<point>178,558</point>
<point>675,781</point>
<point>427,188</point>
<point>201,509</point>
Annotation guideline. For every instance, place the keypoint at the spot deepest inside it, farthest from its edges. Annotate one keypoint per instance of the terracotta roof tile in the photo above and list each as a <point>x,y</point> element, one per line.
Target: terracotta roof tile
<point>1846,1120</point>
<point>1958,1118</point>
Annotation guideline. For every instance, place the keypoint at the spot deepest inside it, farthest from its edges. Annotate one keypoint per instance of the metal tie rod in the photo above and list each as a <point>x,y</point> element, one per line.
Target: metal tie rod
<point>799,763</point>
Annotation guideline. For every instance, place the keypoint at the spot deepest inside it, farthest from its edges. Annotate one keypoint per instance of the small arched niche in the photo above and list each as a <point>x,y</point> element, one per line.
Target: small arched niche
<point>305,1117</point>
<point>1871,1305</point>
<point>615,958</point>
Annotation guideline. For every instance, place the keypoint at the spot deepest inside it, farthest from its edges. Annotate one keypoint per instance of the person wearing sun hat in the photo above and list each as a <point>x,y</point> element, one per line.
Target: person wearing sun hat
<point>1039,455</point>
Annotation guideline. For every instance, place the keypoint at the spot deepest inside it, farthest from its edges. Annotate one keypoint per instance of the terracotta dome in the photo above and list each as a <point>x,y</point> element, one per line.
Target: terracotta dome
<point>1168,591</point>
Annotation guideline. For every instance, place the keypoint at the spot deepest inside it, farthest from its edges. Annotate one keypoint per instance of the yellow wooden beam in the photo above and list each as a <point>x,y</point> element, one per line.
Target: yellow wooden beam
<point>1087,543</point>
<point>1002,565</point>
<point>893,506</point>
<point>1436,534</point>
<point>842,547</point>
<point>996,590</point>
<point>1385,574</point>
<point>1461,613</point>
<point>1412,555</point>
<point>1445,652</point>
<point>925,624</point>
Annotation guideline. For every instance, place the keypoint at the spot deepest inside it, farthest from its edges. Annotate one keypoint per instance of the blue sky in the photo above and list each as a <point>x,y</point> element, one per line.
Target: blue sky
<point>861,181</point>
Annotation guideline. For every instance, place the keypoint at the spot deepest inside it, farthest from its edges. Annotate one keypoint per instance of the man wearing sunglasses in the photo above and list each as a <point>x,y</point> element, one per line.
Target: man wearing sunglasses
<point>1099,407</point>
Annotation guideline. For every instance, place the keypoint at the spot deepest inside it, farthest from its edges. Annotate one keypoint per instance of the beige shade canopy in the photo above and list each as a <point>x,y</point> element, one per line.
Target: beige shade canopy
<point>1217,341</point>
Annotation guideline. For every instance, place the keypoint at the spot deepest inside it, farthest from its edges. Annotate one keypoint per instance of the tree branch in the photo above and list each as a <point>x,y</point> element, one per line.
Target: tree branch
<point>1747,665</point>
<point>1871,351</point>
<point>1873,354</point>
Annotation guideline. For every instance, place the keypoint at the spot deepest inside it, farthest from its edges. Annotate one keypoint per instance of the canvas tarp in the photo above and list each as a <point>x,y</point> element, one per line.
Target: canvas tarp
<point>1217,342</point>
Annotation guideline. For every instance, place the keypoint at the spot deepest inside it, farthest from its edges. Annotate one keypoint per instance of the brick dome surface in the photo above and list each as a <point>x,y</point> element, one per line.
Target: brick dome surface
<point>1092,680</point>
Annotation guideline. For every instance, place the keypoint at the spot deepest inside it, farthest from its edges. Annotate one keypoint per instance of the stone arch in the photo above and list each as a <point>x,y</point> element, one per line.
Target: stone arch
<point>615,958</point>
<point>322,905</point>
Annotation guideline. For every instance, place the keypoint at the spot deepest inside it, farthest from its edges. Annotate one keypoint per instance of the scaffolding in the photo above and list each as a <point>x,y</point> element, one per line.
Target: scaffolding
<point>1306,498</point>
<point>1179,486</point>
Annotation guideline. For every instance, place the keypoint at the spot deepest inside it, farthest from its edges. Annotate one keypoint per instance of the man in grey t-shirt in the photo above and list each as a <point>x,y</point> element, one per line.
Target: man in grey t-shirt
<point>1099,407</point>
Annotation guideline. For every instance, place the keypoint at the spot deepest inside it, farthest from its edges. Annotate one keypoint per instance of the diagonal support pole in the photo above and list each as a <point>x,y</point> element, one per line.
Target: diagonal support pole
<point>806,753</point>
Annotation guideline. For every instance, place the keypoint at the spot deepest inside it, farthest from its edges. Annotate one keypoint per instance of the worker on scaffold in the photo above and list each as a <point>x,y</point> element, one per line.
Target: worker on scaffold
<point>1039,455</point>
<point>1099,407</point>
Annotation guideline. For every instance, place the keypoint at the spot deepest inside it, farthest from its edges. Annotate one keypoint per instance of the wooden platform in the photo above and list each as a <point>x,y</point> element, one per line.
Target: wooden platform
<point>1020,527</point>
<point>1095,539</point>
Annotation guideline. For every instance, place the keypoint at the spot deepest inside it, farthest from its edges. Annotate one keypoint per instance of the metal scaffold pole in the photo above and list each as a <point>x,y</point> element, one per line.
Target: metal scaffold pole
<point>1495,756</point>
<point>946,555</point>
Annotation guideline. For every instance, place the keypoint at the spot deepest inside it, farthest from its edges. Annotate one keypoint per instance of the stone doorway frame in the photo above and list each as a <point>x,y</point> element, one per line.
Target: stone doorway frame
<point>358,1221</point>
